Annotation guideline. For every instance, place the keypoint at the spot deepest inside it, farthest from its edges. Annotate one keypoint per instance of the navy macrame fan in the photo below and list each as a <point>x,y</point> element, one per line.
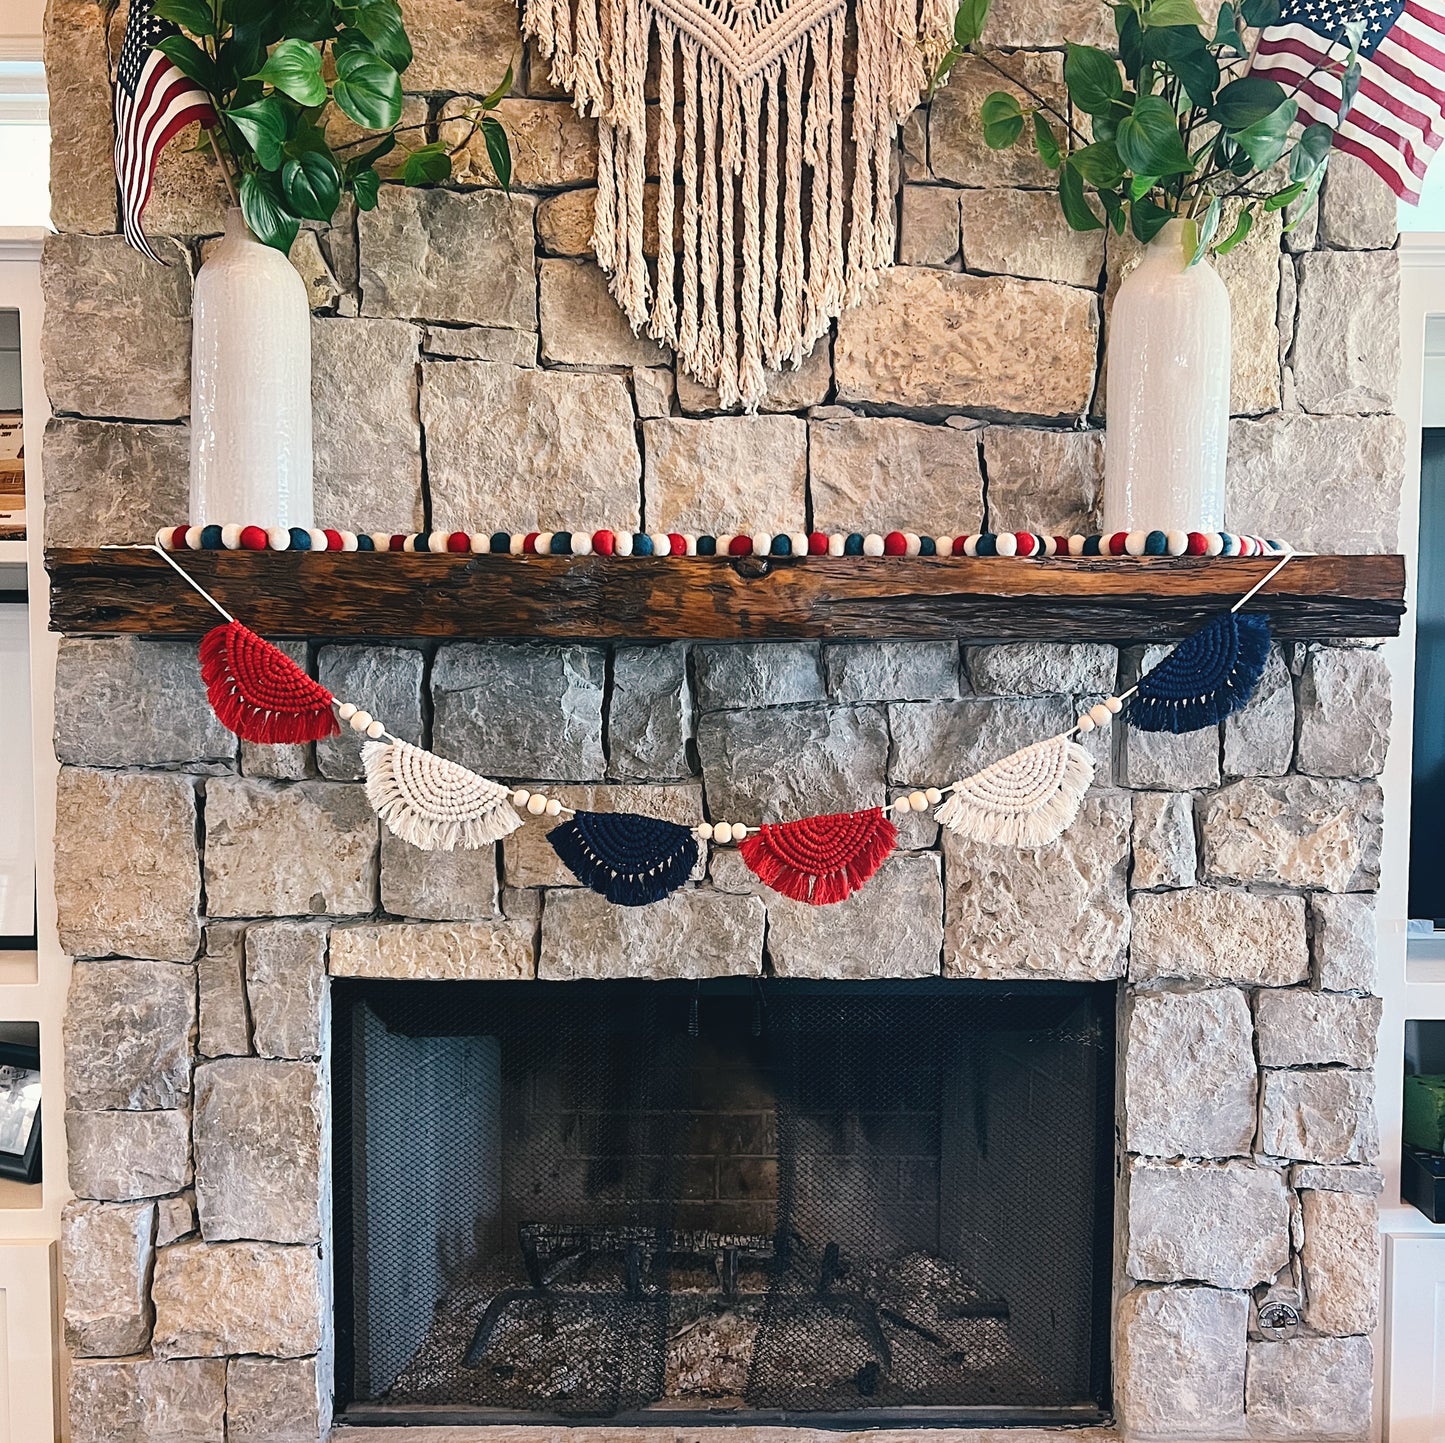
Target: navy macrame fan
<point>630,859</point>
<point>1205,678</point>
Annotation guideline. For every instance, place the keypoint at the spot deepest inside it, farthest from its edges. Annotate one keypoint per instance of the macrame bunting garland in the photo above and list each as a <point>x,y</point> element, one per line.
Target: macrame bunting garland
<point>820,859</point>
<point>259,692</point>
<point>433,803</point>
<point>1026,799</point>
<point>774,236</point>
<point>1208,676</point>
<point>630,859</point>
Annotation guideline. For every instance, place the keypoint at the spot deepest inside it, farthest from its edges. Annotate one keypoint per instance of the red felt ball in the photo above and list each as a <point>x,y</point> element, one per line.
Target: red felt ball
<point>397,542</point>
<point>677,543</point>
<point>817,543</point>
<point>960,545</point>
<point>895,544</point>
<point>1061,545</point>
<point>253,538</point>
<point>333,539</point>
<point>177,538</point>
<point>1118,542</point>
<point>529,542</point>
<point>1198,544</point>
<point>740,546</point>
<point>459,541</point>
<point>1028,543</point>
<point>602,543</point>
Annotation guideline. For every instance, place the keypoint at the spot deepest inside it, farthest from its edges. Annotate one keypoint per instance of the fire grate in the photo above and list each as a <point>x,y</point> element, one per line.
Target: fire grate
<point>744,1200</point>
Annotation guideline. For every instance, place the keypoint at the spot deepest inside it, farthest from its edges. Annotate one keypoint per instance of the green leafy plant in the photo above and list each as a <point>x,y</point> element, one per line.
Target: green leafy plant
<point>1174,127</point>
<point>274,70</point>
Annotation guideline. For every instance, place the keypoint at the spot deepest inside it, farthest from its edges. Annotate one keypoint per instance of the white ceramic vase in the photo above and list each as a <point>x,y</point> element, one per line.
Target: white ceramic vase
<point>1168,393</point>
<point>250,387</point>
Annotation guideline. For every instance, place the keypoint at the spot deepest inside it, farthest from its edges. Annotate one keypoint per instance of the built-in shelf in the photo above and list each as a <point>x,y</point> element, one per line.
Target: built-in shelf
<point>593,598</point>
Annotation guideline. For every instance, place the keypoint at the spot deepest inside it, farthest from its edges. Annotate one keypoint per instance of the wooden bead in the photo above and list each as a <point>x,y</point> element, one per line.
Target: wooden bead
<point>346,711</point>
<point>376,731</point>
<point>703,831</point>
<point>521,797</point>
<point>917,801</point>
<point>1086,722</point>
<point>360,720</point>
<point>722,832</point>
<point>1100,714</point>
<point>1114,704</point>
<point>902,805</point>
<point>554,807</point>
<point>932,795</point>
<point>536,804</point>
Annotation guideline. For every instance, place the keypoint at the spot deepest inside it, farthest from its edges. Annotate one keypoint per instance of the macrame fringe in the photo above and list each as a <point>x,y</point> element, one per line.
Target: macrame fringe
<point>259,693</point>
<point>820,860</point>
<point>1206,678</point>
<point>1026,799</point>
<point>760,141</point>
<point>630,859</point>
<point>432,803</point>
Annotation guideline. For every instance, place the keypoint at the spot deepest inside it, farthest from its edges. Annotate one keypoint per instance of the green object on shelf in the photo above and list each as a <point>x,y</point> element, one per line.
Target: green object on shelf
<point>1425,1112</point>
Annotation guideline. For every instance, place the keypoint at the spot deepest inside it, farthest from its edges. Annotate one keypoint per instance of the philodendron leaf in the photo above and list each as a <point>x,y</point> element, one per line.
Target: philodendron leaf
<point>1077,210</point>
<point>192,15</point>
<point>366,186</point>
<point>294,68</point>
<point>1149,141</point>
<point>1147,218</point>
<point>1171,12</point>
<point>1244,101</point>
<point>489,102</point>
<point>1092,78</point>
<point>1259,13</point>
<point>1003,120</point>
<point>265,214</point>
<point>1226,30</point>
<point>969,21</point>
<point>1183,49</point>
<point>367,89</point>
<point>1282,198</point>
<point>499,150</point>
<point>263,124</point>
<point>380,21</point>
<point>427,165</point>
<point>311,185</point>
<point>1310,150</point>
<point>1046,142</point>
<point>1264,141</point>
<point>1099,164</point>
<point>1241,229</point>
<point>1205,230</point>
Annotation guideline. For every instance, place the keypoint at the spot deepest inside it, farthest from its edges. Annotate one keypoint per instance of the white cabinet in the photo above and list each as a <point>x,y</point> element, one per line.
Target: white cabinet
<point>1414,1381</point>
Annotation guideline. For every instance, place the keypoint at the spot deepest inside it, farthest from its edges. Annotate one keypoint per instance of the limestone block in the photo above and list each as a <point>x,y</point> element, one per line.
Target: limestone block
<point>127,874</point>
<point>1219,934</point>
<point>117,339</point>
<point>1023,233</point>
<point>1342,942</point>
<point>1251,276</point>
<point>876,473</point>
<point>1049,481</point>
<point>1226,1224</point>
<point>387,681</point>
<point>936,742</point>
<point>516,710</point>
<point>1162,759</point>
<point>481,343</point>
<point>1316,1388</point>
<point>774,764</point>
<point>188,195</point>
<point>928,226</point>
<point>1363,1181</point>
<point>142,1400</point>
<point>365,428</point>
<point>729,474</point>
<point>107,1249</point>
<point>276,1400</point>
<point>105,481</point>
<point>692,933</point>
<point>756,674</point>
<point>501,448</point>
<point>1059,911</point>
<point>564,222</point>
<point>653,388</point>
<point>794,388</point>
<point>446,255</point>
<point>955,135</point>
<point>1181,1361</point>
<point>1163,840</point>
<point>1053,23</point>
<point>259,1138</point>
<point>1344,712</point>
<point>1347,343</point>
<point>1355,465</point>
<point>460,47</point>
<point>1189,1074</point>
<point>77,77</point>
<point>129,1029</point>
<point>1325,1116</point>
<point>891,670</point>
<point>285,850</point>
<point>1341,1260</point>
<point>528,859</point>
<point>936,338</point>
<point>215,1299</point>
<point>225,1018</point>
<point>286,988</point>
<point>1357,208</point>
<point>175,1218</point>
<point>1259,737</point>
<point>1041,668</point>
<point>122,1156</point>
<point>123,700</point>
<point>581,323</point>
<point>322,288</point>
<point>1293,832</point>
<point>458,886</point>
<point>434,951</point>
<point>551,144</point>
<point>649,715</point>
<point>1301,1028</point>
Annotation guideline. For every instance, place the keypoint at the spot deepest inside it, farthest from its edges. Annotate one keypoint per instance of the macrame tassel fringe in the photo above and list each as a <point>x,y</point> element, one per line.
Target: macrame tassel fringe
<point>820,859</point>
<point>1206,678</point>
<point>630,859</point>
<point>259,692</point>
<point>1026,799</point>
<point>432,803</point>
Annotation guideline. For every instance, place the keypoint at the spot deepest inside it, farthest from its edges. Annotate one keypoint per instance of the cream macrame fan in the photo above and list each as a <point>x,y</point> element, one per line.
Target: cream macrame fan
<point>776,238</point>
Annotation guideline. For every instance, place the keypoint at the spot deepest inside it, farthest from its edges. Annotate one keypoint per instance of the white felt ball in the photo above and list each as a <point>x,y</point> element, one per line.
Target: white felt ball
<point>515,542</point>
<point>1006,544</point>
<point>1114,704</point>
<point>581,543</point>
<point>970,545</point>
<point>1101,714</point>
<point>911,544</point>
<point>360,720</point>
<point>163,538</point>
<point>554,807</point>
<point>1086,722</point>
<point>278,538</point>
<point>836,543</point>
<point>917,801</point>
<point>1076,545</point>
<point>943,545</point>
<point>521,797</point>
<point>661,544</point>
<point>543,544</point>
<point>410,543</point>
<point>703,831</point>
<point>1213,543</point>
<point>872,544</point>
<point>346,711</point>
<point>381,540</point>
<point>477,541</point>
<point>193,537</point>
<point>762,543</point>
<point>348,540</point>
<point>933,796</point>
<point>622,544</point>
<point>1051,545</point>
<point>1134,543</point>
<point>318,539</point>
<point>1176,543</point>
<point>376,731</point>
<point>689,544</point>
<point>799,542</point>
<point>230,537</point>
<point>723,542</point>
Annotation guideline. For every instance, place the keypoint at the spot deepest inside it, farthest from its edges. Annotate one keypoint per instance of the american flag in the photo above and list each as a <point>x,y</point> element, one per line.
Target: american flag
<point>1397,119</point>
<point>153,100</point>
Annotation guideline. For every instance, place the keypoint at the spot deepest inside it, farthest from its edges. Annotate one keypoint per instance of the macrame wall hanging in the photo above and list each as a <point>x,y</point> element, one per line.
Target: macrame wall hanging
<point>781,224</point>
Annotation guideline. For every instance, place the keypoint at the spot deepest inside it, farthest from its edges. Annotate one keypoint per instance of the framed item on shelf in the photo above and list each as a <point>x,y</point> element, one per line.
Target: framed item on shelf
<point>19,1112</point>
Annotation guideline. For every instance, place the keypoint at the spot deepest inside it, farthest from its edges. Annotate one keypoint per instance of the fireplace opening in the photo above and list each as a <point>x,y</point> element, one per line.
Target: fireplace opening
<point>746,1200</point>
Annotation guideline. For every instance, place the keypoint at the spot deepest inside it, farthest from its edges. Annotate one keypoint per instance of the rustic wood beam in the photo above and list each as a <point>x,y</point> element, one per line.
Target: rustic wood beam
<point>593,598</point>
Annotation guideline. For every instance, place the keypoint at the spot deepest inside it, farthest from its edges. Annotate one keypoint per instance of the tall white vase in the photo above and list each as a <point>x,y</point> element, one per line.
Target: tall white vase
<point>1168,394</point>
<point>250,387</point>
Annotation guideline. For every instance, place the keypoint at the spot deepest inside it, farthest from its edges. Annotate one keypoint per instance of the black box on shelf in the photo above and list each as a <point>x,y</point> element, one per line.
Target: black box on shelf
<point>1422,1181</point>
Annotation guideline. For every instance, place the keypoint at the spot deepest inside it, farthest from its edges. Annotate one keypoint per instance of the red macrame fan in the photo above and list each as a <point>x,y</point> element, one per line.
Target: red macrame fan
<point>259,692</point>
<point>820,859</point>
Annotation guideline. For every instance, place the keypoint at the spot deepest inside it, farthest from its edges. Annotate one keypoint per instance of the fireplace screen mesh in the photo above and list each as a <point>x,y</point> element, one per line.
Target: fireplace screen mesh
<point>746,1199</point>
